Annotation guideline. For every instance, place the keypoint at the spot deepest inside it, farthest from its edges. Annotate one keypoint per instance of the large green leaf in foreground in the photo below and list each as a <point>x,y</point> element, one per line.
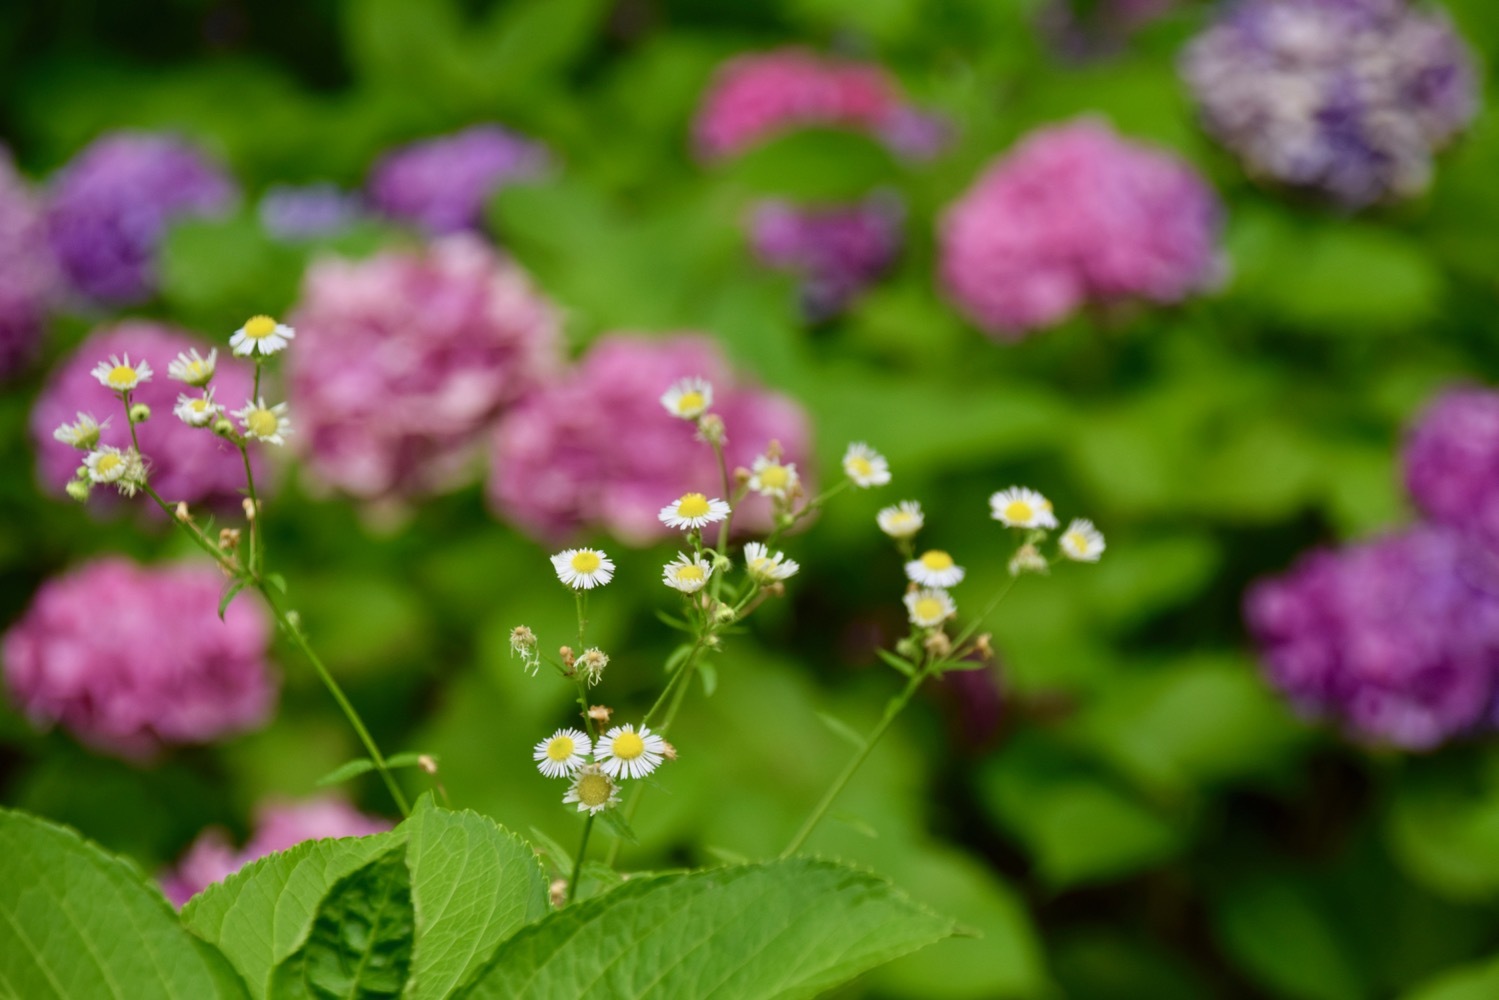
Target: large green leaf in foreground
<point>782,929</point>
<point>76,922</point>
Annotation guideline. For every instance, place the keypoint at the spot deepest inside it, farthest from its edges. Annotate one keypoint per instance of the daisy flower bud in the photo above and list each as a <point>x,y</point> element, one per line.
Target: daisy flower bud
<point>710,429</point>
<point>181,512</point>
<point>765,566</point>
<point>768,477</point>
<point>229,539</point>
<point>265,423</point>
<point>120,375</point>
<point>693,510</point>
<point>1018,507</point>
<point>1028,559</point>
<point>140,413</point>
<point>724,613</point>
<point>223,428</point>
<point>197,411</point>
<point>193,368</point>
<point>600,713</point>
<point>689,574</point>
<point>261,334</point>
<point>427,763</point>
<point>938,644</point>
<point>689,398</point>
<point>865,466</point>
<point>903,520</point>
<point>625,753</point>
<point>583,569</point>
<point>79,489</point>
<point>929,607</point>
<point>82,433</point>
<point>934,568</point>
<point>591,664</point>
<point>593,790</point>
<point>563,753</point>
<point>1081,542</point>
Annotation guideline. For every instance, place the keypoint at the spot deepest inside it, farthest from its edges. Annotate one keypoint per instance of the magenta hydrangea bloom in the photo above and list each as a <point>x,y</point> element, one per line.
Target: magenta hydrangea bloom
<point>839,250</point>
<point>185,463</point>
<point>278,826</point>
<point>596,449</point>
<point>403,361</point>
<point>132,659</point>
<point>756,97</point>
<point>1075,215</point>
<point>1396,639</point>
<point>1349,98</point>
<point>1451,462</point>
<point>442,184</point>
<point>28,275</point>
<point>109,208</point>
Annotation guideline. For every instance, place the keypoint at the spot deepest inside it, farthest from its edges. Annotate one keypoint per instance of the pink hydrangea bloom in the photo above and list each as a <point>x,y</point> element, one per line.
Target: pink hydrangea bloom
<point>597,449</point>
<point>1073,215</point>
<point>278,826</point>
<point>186,463</point>
<point>757,96</point>
<point>403,360</point>
<point>131,659</point>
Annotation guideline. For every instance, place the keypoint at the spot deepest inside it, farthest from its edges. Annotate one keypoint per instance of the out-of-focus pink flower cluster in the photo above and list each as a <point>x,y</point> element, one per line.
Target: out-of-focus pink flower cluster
<point>278,826</point>
<point>442,184</point>
<point>756,97</point>
<point>403,360</point>
<point>838,250</point>
<point>133,659</point>
<point>28,275</point>
<point>185,463</point>
<point>596,448</point>
<point>1077,215</point>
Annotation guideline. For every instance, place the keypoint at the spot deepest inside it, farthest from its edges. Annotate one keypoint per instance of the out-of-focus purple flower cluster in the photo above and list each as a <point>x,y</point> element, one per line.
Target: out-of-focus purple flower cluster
<point>1452,463</point>
<point>838,250</point>
<point>442,184</point>
<point>28,275</point>
<point>278,827</point>
<point>596,449</point>
<point>109,208</point>
<point>1350,98</point>
<point>1076,215</point>
<point>294,214</point>
<point>403,360</point>
<point>133,659</point>
<point>184,463</point>
<point>756,97</point>
<point>1087,29</point>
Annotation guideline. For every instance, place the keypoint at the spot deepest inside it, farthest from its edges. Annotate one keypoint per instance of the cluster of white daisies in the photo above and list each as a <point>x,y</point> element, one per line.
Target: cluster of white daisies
<point>595,769</point>
<point>125,468</point>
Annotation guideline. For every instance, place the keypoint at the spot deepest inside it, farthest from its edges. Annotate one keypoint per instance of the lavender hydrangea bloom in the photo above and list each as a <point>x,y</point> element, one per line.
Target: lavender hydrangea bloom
<point>442,184</point>
<point>28,276</point>
<point>596,449</point>
<point>186,463</point>
<point>1397,639</point>
<point>838,250</point>
<point>294,214</point>
<point>109,208</point>
<point>1451,462</point>
<point>278,827</point>
<point>132,659</point>
<point>1350,98</point>
<point>404,360</point>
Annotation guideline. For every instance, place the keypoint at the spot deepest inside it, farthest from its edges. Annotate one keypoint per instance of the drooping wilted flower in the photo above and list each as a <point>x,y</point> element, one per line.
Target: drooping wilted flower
<point>442,184</point>
<point>838,250</point>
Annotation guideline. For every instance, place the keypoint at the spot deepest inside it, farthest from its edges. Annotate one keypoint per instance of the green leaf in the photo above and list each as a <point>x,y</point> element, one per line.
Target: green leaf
<point>360,765</point>
<point>897,662</point>
<point>361,941</point>
<point>815,165</point>
<point>709,673</point>
<point>618,826</point>
<point>1471,982</point>
<point>77,922</point>
<point>1278,930</point>
<point>1443,825</point>
<point>262,914</point>
<point>473,884</point>
<point>841,729</point>
<point>782,929</point>
<point>234,588</point>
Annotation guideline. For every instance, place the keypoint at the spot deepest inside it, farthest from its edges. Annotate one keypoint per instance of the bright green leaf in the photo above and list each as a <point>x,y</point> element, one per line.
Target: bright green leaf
<point>362,765</point>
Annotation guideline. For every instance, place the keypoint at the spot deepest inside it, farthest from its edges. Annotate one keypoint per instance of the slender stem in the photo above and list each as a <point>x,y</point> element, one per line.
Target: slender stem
<point>978,622</point>
<point>256,558</point>
<point>193,532</point>
<point>728,491</point>
<point>583,704</point>
<point>572,883</point>
<point>671,684</point>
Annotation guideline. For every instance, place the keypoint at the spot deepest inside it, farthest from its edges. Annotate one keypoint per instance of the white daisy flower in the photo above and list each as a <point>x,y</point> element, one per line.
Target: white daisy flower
<point>865,466</point>
<point>693,510</point>
<point>689,574</point>
<point>107,465</point>
<point>120,375</point>
<point>563,753</point>
<point>1018,507</point>
<point>689,398</point>
<point>770,478</point>
<point>592,789</point>
<point>930,606</point>
<point>197,411</point>
<point>625,753</point>
<point>765,566</point>
<point>263,334</point>
<point>1081,541</point>
<point>265,423</point>
<point>934,568</point>
<point>901,521</point>
<point>81,433</point>
<point>193,368</point>
<point>583,569</point>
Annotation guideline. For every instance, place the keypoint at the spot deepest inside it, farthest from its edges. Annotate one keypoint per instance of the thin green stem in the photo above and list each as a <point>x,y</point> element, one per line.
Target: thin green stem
<point>572,883</point>
<point>194,533</point>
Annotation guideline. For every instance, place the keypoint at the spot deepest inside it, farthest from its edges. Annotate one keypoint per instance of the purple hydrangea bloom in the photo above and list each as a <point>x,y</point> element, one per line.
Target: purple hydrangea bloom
<point>403,361</point>
<point>1396,639</point>
<point>1087,29</point>
<point>596,449</point>
<point>839,250</point>
<point>1452,462</point>
<point>278,827</point>
<point>28,275</point>
<point>442,184</point>
<point>132,659</point>
<point>294,214</point>
<point>185,463</point>
<point>1350,98</point>
<point>109,208</point>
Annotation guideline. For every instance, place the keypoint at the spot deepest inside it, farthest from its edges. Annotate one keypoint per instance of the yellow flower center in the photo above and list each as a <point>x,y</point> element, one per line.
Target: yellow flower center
<point>859,466</point>
<point>627,746</point>
<point>692,505</point>
<point>262,423</point>
<point>196,370</point>
<point>1018,510</point>
<point>929,609</point>
<point>901,518</point>
<point>560,748</point>
<point>1078,542</point>
<point>586,561</point>
<point>107,464</point>
<point>199,405</point>
<point>774,477</point>
<point>936,559</point>
<point>691,573</point>
<point>691,402</point>
<point>122,377</point>
<point>259,327</point>
<point>594,789</point>
<point>762,565</point>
